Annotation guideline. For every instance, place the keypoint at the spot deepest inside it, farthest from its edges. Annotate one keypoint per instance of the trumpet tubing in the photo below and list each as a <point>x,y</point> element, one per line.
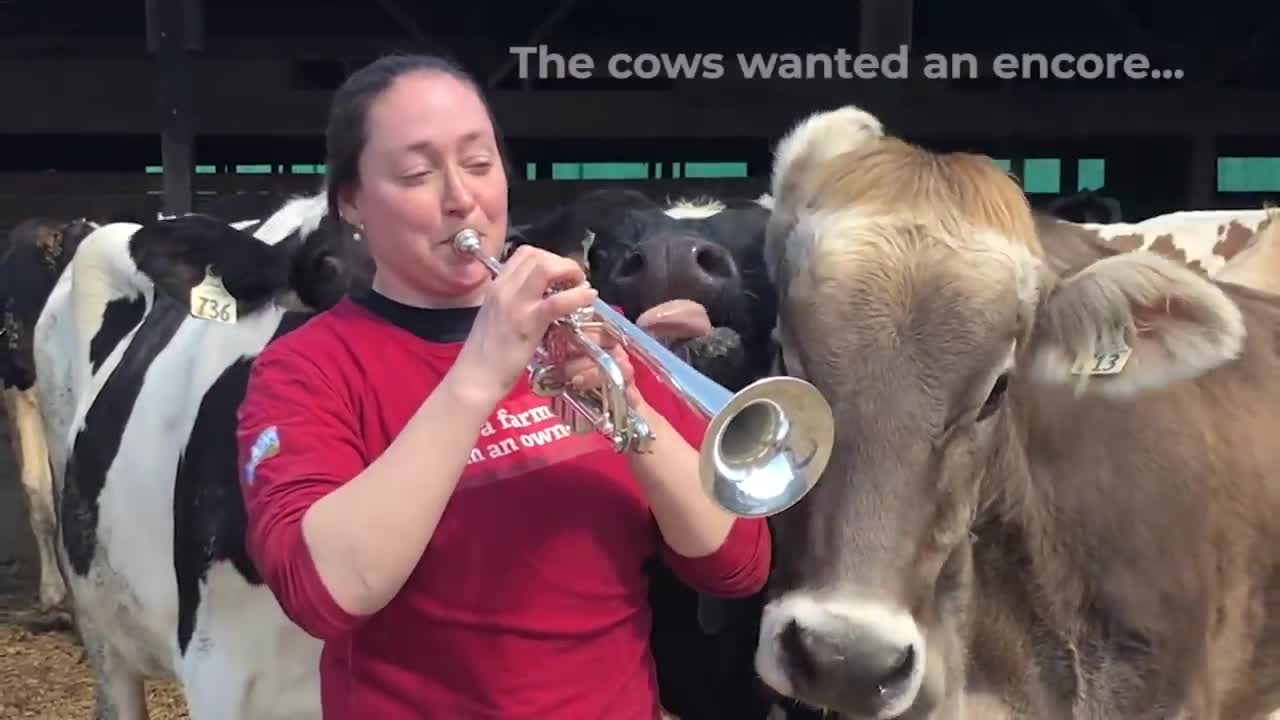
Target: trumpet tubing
<point>765,447</point>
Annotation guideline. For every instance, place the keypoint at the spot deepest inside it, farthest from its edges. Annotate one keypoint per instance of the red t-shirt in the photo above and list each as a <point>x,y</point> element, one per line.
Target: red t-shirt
<point>530,600</point>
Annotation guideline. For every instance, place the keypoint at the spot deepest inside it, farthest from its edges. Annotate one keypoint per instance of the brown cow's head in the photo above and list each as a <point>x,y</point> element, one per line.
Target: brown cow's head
<point>914,296</point>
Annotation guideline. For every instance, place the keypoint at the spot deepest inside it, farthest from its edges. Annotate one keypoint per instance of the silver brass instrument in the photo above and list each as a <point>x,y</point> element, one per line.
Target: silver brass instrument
<point>765,446</point>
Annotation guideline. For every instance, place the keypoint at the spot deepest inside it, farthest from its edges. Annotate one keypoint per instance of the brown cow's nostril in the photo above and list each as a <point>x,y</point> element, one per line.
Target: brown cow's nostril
<point>900,672</point>
<point>792,644</point>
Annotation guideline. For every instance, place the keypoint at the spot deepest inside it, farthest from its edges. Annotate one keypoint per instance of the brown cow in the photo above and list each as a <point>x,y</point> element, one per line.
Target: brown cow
<point>993,524</point>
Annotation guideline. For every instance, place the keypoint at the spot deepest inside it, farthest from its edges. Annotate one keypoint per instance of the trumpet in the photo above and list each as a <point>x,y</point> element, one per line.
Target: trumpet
<point>765,446</point>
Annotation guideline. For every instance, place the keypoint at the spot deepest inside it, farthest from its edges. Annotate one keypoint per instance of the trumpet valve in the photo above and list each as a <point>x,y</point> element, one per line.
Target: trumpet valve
<point>583,317</point>
<point>642,436</point>
<point>576,421</point>
<point>545,382</point>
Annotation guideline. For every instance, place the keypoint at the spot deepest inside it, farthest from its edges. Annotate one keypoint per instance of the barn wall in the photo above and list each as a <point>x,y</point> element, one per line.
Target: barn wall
<point>107,196</point>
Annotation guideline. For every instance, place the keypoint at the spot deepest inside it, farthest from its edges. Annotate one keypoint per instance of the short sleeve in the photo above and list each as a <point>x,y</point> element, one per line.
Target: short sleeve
<point>298,439</point>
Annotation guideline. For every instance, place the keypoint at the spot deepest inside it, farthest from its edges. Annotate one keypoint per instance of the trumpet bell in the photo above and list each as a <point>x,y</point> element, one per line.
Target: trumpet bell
<point>767,447</point>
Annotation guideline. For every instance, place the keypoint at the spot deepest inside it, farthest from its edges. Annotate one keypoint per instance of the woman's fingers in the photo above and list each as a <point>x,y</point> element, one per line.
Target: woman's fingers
<point>581,371</point>
<point>520,291</point>
<point>560,304</point>
<point>601,337</point>
<point>545,270</point>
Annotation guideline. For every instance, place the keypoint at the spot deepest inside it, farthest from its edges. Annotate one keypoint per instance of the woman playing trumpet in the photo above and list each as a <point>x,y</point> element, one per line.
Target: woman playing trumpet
<point>411,502</point>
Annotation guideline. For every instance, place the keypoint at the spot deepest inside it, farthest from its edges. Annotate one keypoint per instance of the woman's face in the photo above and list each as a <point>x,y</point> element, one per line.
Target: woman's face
<point>429,168</point>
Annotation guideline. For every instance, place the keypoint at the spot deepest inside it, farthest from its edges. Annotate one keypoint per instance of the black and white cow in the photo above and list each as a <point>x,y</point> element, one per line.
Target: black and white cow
<point>638,253</point>
<point>38,249</point>
<point>36,252</point>
<point>139,402</point>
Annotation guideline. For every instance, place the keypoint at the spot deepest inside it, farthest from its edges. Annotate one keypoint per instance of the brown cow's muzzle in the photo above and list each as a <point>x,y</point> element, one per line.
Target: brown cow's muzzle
<point>862,659</point>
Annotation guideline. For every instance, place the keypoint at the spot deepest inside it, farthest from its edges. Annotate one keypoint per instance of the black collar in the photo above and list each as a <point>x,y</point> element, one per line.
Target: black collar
<point>438,325</point>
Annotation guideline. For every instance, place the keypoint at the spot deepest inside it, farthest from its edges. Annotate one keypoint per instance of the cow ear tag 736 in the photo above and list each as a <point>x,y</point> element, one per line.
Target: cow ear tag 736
<point>211,301</point>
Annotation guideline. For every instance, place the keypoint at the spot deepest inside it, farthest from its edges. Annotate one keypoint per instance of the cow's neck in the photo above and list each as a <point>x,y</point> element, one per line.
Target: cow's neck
<point>1009,607</point>
<point>1045,638</point>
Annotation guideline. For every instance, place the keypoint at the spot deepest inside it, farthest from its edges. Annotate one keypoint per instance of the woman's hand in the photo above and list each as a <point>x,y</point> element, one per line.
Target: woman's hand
<point>671,320</point>
<point>580,372</point>
<point>515,315</point>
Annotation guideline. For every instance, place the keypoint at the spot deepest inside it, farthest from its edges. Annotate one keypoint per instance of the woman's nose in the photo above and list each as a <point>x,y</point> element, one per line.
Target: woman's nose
<point>457,196</point>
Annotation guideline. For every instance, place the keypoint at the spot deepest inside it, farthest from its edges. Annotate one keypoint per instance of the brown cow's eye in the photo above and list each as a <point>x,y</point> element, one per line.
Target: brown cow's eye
<point>994,398</point>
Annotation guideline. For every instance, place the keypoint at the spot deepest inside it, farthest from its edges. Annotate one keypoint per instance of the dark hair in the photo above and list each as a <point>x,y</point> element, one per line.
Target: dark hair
<point>346,134</point>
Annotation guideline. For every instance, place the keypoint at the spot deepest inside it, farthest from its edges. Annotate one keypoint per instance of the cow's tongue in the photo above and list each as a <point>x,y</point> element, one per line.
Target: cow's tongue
<point>675,320</point>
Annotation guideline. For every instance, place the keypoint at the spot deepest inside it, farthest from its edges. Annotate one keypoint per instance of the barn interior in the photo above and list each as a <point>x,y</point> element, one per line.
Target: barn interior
<point>133,108</point>
<point>226,101</point>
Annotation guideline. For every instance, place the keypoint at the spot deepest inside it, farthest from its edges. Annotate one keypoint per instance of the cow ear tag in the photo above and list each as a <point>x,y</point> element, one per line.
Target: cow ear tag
<point>211,301</point>
<point>1103,361</point>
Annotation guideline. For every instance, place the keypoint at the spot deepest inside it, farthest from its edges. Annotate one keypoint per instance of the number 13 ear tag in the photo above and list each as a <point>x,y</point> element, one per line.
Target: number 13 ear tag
<point>211,301</point>
<point>1104,361</point>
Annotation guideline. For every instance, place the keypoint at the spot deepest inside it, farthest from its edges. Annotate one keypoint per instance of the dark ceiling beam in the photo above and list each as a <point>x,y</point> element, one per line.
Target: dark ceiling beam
<point>1259,41</point>
<point>885,25</point>
<point>884,28</point>
<point>175,30</point>
<point>227,110</point>
<point>404,19</point>
<point>476,51</point>
<point>122,99</point>
<point>1122,16</point>
<point>538,36</point>
<point>1062,114</point>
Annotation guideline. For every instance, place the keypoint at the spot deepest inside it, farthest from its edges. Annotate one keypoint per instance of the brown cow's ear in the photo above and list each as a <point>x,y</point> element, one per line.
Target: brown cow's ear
<point>1132,323</point>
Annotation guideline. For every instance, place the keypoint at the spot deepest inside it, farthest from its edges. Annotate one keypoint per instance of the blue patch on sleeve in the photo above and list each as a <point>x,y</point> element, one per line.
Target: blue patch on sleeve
<point>267,445</point>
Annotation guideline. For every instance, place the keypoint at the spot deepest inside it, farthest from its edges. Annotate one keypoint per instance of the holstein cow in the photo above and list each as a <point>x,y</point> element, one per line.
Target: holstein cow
<point>140,402</point>
<point>639,253</point>
<point>1204,240</point>
<point>1053,493</point>
<point>1257,266</point>
<point>38,250</point>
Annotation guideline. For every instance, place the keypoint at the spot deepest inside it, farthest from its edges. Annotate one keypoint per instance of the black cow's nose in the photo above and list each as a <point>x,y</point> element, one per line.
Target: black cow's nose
<point>714,261</point>
<point>683,266</point>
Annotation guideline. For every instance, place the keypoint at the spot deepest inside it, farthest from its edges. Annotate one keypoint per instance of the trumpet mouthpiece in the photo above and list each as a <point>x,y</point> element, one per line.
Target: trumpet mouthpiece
<point>467,240</point>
